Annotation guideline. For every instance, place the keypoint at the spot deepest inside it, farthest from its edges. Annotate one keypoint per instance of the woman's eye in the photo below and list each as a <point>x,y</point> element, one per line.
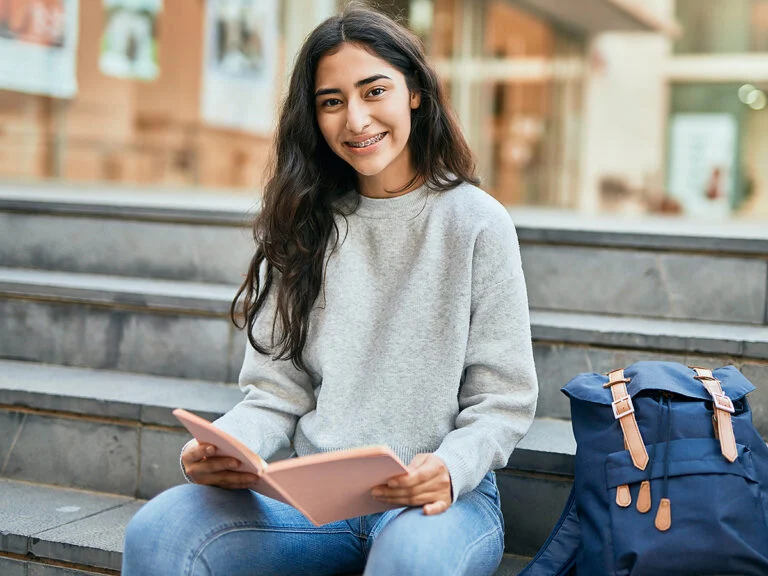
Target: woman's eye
<point>377,92</point>
<point>331,102</point>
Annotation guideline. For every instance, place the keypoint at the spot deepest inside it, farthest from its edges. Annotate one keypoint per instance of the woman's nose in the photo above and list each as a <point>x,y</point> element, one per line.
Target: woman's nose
<point>358,117</point>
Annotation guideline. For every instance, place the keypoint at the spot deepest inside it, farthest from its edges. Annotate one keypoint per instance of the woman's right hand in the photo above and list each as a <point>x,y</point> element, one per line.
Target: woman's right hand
<point>204,467</point>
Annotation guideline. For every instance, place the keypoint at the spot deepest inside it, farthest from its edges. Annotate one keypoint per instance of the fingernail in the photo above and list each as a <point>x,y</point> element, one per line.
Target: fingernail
<point>210,450</point>
<point>234,464</point>
<point>393,484</point>
<point>376,493</point>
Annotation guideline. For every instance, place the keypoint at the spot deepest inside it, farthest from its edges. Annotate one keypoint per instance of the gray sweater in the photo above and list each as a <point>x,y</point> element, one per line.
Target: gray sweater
<point>420,341</point>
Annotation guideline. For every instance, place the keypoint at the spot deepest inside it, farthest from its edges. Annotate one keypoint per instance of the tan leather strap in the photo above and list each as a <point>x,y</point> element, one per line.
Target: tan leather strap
<point>624,412</point>
<point>723,408</point>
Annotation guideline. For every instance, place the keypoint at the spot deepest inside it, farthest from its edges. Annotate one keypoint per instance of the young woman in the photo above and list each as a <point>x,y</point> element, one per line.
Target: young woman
<point>385,304</point>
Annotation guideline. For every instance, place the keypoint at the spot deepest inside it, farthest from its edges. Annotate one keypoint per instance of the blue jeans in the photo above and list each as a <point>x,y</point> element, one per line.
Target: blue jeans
<point>195,530</point>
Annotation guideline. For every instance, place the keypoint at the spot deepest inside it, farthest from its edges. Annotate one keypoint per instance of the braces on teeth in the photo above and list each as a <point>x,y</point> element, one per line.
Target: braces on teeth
<point>368,142</point>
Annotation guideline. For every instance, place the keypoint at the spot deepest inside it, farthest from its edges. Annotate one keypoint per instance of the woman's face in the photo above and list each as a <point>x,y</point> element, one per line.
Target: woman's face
<point>363,108</point>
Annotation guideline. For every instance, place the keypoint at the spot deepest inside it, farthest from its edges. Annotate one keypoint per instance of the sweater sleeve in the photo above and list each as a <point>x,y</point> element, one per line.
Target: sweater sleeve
<point>498,393</point>
<point>276,395</point>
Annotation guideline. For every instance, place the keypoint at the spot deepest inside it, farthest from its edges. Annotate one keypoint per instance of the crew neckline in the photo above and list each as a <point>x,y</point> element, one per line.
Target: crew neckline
<point>407,205</point>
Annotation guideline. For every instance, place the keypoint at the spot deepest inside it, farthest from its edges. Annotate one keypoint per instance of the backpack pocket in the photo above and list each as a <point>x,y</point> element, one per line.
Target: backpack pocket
<point>718,514</point>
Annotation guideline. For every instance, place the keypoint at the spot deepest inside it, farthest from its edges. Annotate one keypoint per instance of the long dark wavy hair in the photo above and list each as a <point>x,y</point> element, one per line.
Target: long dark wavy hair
<point>296,222</point>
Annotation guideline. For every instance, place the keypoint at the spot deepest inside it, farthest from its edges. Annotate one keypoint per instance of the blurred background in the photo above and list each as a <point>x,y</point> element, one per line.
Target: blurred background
<point>591,106</point>
<point>629,139</point>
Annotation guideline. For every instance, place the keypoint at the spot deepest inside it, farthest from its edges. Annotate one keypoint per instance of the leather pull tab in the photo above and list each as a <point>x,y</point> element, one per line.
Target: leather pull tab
<point>664,515</point>
<point>644,497</point>
<point>623,497</point>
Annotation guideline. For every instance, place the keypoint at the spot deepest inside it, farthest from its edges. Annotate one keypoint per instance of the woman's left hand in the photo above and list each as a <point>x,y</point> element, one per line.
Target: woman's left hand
<point>427,484</point>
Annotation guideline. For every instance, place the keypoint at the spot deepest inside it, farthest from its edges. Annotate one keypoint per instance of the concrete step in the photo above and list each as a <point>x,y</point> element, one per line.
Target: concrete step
<point>149,233</point>
<point>98,430</point>
<point>134,324</point>
<point>181,329</point>
<point>535,484</point>
<point>54,531</point>
<point>569,344</point>
<point>664,284</point>
<point>649,267</point>
<point>114,432</point>
<point>58,529</point>
<point>212,301</point>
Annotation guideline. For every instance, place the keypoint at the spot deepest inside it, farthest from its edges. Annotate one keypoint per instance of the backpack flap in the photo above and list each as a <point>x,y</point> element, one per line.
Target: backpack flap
<point>722,388</point>
<point>662,376</point>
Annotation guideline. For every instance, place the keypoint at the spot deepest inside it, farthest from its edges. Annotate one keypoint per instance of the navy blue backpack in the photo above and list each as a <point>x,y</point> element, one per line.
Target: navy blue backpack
<point>671,477</point>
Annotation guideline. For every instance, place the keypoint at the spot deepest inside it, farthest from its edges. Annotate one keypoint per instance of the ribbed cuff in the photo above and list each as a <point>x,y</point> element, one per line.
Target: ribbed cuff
<point>461,475</point>
<point>181,463</point>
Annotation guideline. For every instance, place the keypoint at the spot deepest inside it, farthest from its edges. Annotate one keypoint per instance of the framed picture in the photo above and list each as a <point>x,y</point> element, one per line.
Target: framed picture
<point>129,45</point>
<point>240,64</point>
<point>38,43</point>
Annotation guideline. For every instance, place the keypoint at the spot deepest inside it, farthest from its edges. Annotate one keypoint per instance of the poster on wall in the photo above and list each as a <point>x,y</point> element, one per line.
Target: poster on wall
<point>129,44</point>
<point>239,70</point>
<point>702,159</point>
<point>38,46</point>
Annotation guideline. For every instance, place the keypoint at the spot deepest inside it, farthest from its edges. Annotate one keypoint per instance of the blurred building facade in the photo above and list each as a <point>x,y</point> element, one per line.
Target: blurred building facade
<point>589,105</point>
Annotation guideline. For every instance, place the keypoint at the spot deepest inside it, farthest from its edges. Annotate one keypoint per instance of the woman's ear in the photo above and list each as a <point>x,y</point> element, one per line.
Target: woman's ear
<point>415,100</point>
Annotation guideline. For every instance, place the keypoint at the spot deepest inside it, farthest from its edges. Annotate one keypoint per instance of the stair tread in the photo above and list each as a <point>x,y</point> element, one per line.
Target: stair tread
<point>114,394</point>
<point>64,524</point>
<point>86,528</point>
<point>164,203</point>
<point>648,326</point>
<point>599,329</point>
<point>117,290</point>
<point>533,224</point>
<point>548,447</point>
<point>184,288</point>
<point>650,333</point>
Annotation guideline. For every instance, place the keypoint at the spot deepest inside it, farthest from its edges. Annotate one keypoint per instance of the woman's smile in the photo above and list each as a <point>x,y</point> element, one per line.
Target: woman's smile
<point>366,146</point>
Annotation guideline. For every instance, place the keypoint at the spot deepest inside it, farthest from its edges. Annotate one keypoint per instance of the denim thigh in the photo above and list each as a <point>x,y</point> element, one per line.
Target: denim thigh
<point>466,539</point>
<point>194,530</point>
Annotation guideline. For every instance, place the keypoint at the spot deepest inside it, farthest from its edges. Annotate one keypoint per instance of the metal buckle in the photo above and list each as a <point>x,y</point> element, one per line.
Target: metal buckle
<point>630,409</point>
<point>722,402</point>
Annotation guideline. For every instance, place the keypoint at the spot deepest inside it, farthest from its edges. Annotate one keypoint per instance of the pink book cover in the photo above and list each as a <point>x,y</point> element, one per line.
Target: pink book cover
<point>324,487</point>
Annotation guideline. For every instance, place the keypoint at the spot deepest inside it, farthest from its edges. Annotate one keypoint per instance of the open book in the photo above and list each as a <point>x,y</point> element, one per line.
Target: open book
<point>324,487</point>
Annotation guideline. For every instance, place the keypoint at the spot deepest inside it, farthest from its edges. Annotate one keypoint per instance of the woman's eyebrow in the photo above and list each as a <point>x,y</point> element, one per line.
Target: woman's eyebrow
<point>358,84</point>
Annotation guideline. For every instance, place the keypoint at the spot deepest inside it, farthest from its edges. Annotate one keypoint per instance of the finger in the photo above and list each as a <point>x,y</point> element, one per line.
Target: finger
<point>230,480</point>
<point>419,460</point>
<point>425,472</point>
<point>412,500</point>
<point>432,485</point>
<point>197,452</point>
<point>214,465</point>
<point>413,478</point>
<point>436,507</point>
<point>200,472</point>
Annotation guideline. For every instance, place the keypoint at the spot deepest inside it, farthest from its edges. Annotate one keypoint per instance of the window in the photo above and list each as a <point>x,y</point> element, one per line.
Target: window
<point>722,26</point>
<point>516,83</point>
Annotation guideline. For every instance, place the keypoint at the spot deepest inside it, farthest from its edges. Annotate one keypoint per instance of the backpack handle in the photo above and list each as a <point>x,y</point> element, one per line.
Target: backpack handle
<point>723,408</point>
